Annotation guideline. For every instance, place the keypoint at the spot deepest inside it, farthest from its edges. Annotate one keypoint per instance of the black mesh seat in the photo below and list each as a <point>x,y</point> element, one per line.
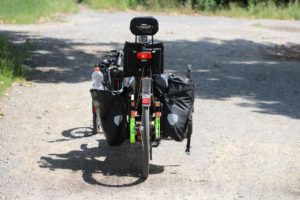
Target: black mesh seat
<point>144,26</point>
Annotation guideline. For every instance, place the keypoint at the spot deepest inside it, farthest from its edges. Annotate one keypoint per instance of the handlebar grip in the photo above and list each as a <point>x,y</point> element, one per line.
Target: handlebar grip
<point>114,57</point>
<point>189,71</point>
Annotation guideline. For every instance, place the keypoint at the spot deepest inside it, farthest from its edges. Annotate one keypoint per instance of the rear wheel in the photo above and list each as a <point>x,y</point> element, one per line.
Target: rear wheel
<point>145,141</point>
<point>95,125</point>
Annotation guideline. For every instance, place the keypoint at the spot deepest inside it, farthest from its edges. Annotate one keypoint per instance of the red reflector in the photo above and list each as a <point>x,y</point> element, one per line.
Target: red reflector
<point>94,109</point>
<point>96,69</point>
<point>132,113</point>
<point>144,55</point>
<point>146,101</point>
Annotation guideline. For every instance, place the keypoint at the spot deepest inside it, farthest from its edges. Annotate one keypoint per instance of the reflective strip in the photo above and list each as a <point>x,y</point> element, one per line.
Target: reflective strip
<point>172,119</point>
<point>118,119</point>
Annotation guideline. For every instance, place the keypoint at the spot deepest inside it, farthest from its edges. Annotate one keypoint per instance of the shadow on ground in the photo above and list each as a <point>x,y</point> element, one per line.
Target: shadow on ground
<point>103,165</point>
<point>222,69</point>
<point>75,133</point>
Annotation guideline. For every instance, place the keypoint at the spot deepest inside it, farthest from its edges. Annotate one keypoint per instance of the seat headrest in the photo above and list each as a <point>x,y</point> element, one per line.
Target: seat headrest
<point>144,26</point>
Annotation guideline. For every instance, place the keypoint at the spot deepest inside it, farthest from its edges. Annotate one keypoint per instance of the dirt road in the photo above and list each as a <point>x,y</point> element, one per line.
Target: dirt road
<point>246,142</point>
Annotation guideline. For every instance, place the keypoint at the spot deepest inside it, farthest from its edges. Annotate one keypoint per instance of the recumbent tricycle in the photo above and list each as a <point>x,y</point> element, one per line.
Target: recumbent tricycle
<point>138,101</point>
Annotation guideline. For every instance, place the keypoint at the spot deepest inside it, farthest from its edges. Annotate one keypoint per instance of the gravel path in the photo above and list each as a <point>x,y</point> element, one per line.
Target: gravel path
<point>246,142</point>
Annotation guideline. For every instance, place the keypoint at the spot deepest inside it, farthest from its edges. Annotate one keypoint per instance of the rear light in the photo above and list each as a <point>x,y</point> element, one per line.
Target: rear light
<point>146,101</point>
<point>144,55</point>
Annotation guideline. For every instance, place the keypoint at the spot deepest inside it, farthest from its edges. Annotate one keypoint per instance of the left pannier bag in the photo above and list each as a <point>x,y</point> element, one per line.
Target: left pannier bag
<point>111,107</point>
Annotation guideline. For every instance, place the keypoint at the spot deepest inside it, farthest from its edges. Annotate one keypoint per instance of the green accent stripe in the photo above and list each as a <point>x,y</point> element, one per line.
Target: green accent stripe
<point>132,130</point>
<point>157,127</point>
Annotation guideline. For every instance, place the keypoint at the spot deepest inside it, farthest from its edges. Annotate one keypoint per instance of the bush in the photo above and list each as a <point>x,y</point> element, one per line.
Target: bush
<point>12,59</point>
<point>260,8</point>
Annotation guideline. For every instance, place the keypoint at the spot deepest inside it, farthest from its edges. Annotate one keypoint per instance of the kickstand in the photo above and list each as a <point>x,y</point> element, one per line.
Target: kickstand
<point>188,145</point>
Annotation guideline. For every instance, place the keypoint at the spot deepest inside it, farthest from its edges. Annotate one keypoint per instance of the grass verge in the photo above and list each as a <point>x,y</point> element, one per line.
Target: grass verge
<point>104,4</point>
<point>12,58</point>
<point>264,9</point>
<point>32,11</point>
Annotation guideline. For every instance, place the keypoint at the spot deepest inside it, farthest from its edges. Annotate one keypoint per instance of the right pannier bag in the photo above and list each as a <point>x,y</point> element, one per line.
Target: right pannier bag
<point>178,106</point>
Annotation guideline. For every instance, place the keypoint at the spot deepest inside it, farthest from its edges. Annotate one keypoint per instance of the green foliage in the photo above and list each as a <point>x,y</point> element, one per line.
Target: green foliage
<point>125,4</point>
<point>31,11</point>
<point>12,59</point>
<point>104,4</point>
<point>280,9</point>
<point>264,10</point>
<point>132,3</point>
<point>293,10</point>
<point>210,5</point>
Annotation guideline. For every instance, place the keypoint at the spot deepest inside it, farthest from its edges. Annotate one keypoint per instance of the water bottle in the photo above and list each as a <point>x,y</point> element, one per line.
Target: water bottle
<point>119,58</point>
<point>97,78</point>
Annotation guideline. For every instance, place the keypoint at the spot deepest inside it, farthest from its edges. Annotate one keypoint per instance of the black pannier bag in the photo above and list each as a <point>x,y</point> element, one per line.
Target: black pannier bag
<point>178,104</point>
<point>111,107</point>
<point>160,85</point>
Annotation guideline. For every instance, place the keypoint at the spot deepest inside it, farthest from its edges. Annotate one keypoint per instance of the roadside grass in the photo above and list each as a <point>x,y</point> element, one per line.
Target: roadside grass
<point>263,11</point>
<point>149,5</point>
<point>104,4</point>
<point>32,11</point>
<point>259,11</point>
<point>12,58</point>
<point>267,10</point>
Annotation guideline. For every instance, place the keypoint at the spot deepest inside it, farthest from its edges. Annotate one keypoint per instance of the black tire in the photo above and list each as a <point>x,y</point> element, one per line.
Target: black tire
<point>145,142</point>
